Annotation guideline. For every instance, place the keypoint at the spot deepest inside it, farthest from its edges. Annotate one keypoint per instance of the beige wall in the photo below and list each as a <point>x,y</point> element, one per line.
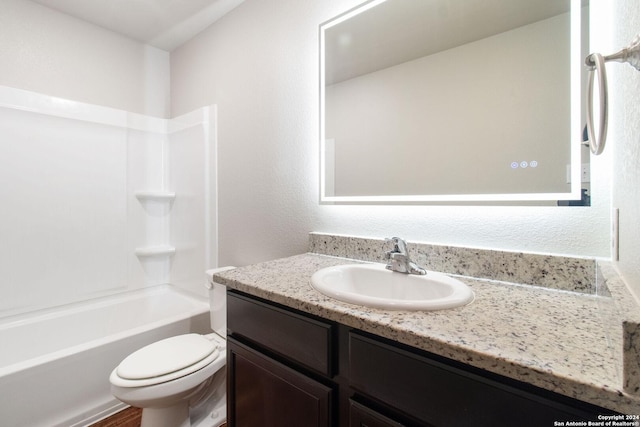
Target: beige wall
<point>45,51</point>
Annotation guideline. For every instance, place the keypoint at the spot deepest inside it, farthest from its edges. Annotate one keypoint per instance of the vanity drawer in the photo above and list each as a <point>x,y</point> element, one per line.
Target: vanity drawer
<point>440,394</point>
<point>361,416</point>
<point>299,338</point>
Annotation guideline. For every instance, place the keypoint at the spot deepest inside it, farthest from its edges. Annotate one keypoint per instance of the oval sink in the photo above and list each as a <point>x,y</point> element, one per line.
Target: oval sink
<point>372,285</point>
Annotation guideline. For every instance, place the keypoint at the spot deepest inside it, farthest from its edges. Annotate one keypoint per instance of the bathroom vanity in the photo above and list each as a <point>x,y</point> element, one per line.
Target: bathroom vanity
<point>287,368</point>
<point>518,355</point>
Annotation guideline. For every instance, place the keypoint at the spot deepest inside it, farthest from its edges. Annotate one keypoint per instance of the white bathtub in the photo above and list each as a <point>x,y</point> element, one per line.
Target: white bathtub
<point>55,364</point>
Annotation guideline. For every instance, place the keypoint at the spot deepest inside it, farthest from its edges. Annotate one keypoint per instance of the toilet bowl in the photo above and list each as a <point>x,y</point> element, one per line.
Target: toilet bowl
<point>179,381</point>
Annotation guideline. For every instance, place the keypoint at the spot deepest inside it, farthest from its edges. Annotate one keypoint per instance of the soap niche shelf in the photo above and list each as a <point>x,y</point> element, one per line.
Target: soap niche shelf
<point>155,195</point>
<point>159,250</point>
<point>161,197</point>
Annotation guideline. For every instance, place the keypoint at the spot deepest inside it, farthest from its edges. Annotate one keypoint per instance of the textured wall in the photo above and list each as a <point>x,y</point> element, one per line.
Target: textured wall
<point>624,135</point>
<point>260,65</point>
<point>54,54</point>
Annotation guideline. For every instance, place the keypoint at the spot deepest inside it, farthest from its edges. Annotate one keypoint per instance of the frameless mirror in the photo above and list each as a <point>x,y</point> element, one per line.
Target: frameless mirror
<point>453,100</point>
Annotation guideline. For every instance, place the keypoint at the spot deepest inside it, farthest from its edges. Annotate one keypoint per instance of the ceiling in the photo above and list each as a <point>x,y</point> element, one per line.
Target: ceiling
<point>165,24</point>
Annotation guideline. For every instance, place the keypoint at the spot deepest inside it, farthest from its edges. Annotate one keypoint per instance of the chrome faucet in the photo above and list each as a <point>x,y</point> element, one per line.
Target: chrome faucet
<point>398,258</point>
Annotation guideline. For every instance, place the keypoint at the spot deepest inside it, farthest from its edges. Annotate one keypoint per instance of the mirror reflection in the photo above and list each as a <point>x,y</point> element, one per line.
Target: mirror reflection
<point>452,100</point>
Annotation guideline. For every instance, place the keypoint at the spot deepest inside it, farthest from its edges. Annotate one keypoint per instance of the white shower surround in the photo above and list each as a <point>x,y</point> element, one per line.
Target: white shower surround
<point>75,180</point>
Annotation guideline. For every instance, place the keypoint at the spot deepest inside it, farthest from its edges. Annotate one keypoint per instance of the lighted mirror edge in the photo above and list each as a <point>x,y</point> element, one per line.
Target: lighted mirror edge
<point>576,97</point>
<point>363,7</point>
<point>575,133</point>
<point>524,197</point>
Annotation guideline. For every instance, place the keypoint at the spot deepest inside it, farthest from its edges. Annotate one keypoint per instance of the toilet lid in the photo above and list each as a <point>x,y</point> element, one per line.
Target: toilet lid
<point>165,356</point>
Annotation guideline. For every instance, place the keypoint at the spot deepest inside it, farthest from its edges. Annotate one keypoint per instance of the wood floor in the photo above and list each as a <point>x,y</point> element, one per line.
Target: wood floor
<point>130,417</point>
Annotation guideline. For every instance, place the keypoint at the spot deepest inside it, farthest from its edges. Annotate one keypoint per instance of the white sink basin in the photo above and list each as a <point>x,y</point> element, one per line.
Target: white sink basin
<point>372,285</point>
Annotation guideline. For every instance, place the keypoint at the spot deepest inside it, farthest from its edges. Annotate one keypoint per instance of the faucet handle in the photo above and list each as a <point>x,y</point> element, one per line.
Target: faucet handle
<point>399,258</point>
<point>399,245</point>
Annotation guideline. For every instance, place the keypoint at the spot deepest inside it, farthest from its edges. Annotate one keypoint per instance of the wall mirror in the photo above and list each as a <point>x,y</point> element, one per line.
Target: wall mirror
<point>453,100</point>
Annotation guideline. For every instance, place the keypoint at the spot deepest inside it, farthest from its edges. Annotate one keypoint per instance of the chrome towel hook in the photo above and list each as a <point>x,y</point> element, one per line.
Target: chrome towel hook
<point>596,64</point>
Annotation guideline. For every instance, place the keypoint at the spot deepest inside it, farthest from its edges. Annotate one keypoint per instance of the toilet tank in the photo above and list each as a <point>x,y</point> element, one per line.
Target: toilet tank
<point>217,301</point>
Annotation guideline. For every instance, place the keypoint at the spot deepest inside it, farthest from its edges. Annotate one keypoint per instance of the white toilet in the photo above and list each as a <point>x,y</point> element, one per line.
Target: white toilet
<point>180,381</point>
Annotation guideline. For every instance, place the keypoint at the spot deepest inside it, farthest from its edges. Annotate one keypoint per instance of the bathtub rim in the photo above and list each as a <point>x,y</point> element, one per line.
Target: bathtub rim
<point>201,306</point>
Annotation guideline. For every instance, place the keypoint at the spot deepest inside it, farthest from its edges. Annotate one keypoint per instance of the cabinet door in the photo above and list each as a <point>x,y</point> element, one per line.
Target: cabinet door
<point>265,393</point>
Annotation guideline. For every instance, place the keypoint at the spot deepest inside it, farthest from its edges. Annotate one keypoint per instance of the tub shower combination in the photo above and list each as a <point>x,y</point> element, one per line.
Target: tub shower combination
<point>102,248</point>
<point>55,365</point>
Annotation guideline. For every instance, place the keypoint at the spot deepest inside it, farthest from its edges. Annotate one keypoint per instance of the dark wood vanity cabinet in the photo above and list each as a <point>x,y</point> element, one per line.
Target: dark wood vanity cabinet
<point>280,366</point>
<point>288,368</point>
<point>441,392</point>
<point>270,394</point>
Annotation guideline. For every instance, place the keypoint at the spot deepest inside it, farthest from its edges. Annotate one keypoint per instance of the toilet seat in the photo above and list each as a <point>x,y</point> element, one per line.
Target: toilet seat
<point>165,360</point>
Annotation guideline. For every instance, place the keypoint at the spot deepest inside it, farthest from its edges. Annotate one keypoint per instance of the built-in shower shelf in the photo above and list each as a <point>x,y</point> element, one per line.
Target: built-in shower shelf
<point>161,250</point>
<point>155,195</point>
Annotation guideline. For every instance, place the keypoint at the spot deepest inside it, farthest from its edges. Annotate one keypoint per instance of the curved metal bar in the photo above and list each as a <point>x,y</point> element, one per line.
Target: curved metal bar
<point>597,144</point>
<point>596,65</point>
<point>630,54</point>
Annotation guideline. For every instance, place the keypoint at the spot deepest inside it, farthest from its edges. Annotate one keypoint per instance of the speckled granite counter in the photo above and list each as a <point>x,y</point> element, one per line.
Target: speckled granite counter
<point>561,341</point>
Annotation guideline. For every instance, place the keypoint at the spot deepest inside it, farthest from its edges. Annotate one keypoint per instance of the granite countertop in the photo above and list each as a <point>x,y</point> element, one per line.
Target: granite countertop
<point>553,339</point>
